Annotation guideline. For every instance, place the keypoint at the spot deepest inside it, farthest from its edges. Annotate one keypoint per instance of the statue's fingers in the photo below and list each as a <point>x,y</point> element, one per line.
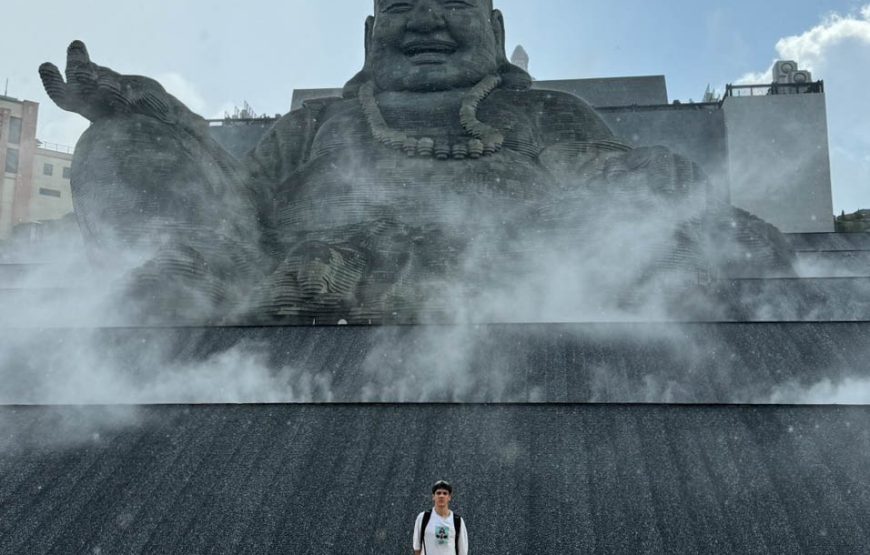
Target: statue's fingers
<point>77,53</point>
<point>659,172</point>
<point>54,84</point>
<point>79,69</point>
<point>641,157</point>
<point>615,169</point>
<point>112,92</point>
<point>81,80</point>
<point>689,173</point>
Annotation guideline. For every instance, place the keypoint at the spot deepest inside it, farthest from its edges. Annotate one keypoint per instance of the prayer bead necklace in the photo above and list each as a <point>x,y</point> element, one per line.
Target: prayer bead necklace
<point>485,140</point>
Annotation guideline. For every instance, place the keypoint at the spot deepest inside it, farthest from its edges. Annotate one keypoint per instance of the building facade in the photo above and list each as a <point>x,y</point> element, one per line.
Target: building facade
<point>51,198</point>
<point>17,149</point>
<point>36,179</point>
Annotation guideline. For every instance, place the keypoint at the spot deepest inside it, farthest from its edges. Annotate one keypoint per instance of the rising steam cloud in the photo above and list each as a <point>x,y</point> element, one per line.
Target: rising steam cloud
<point>58,353</point>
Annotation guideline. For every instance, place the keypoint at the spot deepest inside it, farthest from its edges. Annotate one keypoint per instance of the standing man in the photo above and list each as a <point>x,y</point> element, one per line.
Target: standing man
<point>440,531</point>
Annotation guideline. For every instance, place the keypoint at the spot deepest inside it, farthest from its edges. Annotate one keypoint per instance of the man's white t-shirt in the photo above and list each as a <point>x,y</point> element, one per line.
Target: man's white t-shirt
<point>440,536</point>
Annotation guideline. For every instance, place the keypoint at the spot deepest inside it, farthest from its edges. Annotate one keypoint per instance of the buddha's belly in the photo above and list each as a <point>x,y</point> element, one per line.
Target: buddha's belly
<point>343,191</point>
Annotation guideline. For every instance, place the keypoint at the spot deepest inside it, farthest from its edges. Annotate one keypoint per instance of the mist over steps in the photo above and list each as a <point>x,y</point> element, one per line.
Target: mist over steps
<point>724,362</point>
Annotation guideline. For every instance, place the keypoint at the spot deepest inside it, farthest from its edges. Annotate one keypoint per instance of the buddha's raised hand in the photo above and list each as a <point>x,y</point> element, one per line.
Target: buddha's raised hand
<point>97,92</point>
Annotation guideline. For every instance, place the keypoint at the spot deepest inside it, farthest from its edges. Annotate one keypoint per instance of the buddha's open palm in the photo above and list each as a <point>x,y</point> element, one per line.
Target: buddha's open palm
<point>97,92</point>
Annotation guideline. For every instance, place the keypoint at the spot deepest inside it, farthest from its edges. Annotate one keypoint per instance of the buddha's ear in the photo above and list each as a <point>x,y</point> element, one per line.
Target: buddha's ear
<point>351,88</point>
<point>497,21</point>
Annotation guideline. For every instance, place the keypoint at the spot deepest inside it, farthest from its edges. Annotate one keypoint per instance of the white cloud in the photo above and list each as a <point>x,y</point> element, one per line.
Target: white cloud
<point>185,91</point>
<point>58,127</point>
<point>754,77</point>
<point>814,48</point>
<point>837,50</point>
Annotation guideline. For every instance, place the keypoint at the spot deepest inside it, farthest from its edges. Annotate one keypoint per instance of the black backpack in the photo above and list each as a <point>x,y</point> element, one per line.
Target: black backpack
<point>457,525</point>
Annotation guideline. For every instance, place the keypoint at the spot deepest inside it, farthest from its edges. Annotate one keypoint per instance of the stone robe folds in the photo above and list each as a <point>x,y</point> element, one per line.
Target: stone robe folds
<point>320,221</point>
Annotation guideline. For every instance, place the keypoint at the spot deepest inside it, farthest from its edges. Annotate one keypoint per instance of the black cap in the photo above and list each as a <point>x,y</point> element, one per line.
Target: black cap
<point>441,484</point>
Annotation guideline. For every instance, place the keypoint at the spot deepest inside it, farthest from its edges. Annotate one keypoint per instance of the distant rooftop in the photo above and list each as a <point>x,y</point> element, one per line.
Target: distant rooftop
<point>613,91</point>
<point>54,147</point>
<point>603,92</point>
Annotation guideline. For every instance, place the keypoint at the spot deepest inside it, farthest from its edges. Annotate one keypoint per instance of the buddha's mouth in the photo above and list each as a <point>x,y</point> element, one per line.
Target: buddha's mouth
<point>428,51</point>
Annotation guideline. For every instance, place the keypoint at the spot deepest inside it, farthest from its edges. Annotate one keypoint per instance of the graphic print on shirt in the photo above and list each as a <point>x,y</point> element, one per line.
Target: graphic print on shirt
<point>442,534</point>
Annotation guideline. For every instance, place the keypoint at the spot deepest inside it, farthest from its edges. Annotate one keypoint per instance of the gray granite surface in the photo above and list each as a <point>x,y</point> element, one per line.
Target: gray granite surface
<point>350,479</point>
<point>614,363</point>
<point>825,242</point>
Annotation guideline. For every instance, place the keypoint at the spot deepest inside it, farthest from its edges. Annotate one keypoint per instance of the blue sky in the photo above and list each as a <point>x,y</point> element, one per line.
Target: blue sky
<point>262,49</point>
<point>218,54</point>
<point>691,42</point>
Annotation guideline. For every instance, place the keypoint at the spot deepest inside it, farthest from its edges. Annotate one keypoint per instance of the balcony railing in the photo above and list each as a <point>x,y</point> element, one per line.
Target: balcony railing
<point>263,120</point>
<point>817,87</point>
<point>55,147</point>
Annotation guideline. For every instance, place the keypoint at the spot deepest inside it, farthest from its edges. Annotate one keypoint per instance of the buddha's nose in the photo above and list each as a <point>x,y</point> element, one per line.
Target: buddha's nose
<point>426,17</point>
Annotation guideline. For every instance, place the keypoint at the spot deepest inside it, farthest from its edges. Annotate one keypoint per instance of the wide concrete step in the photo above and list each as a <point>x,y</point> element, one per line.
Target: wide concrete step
<point>821,362</point>
<point>815,242</point>
<point>824,298</point>
<point>834,264</point>
<point>820,299</point>
<point>351,479</point>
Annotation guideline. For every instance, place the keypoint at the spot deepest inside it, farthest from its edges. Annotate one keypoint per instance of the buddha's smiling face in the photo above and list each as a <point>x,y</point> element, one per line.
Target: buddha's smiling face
<point>430,45</point>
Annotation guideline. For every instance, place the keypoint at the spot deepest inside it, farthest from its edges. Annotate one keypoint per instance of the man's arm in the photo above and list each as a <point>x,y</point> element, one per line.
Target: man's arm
<point>416,541</point>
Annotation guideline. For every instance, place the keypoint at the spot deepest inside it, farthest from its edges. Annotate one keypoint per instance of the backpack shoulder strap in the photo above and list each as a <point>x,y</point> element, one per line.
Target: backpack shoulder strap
<point>457,525</point>
<point>426,516</point>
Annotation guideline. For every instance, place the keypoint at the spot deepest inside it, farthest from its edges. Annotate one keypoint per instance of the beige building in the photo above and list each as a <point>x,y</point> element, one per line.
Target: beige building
<point>35,185</point>
<point>50,191</point>
<point>17,147</point>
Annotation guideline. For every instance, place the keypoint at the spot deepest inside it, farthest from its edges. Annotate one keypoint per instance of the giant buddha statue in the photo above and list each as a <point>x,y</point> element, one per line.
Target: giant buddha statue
<point>439,178</point>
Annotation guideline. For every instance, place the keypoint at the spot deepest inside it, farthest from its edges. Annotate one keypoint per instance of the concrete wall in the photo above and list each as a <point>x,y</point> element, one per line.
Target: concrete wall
<point>15,193</point>
<point>44,204</point>
<point>9,108</point>
<point>696,131</point>
<point>239,136</point>
<point>301,95</point>
<point>615,91</point>
<point>778,160</point>
<point>7,193</point>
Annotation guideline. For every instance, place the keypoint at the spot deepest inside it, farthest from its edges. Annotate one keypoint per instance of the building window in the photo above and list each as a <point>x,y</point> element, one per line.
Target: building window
<point>49,192</point>
<point>66,173</point>
<point>11,160</point>
<point>47,169</point>
<point>14,130</point>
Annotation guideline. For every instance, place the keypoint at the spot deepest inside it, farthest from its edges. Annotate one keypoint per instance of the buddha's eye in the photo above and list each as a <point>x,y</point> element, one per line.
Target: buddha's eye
<point>457,4</point>
<point>396,7</point>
